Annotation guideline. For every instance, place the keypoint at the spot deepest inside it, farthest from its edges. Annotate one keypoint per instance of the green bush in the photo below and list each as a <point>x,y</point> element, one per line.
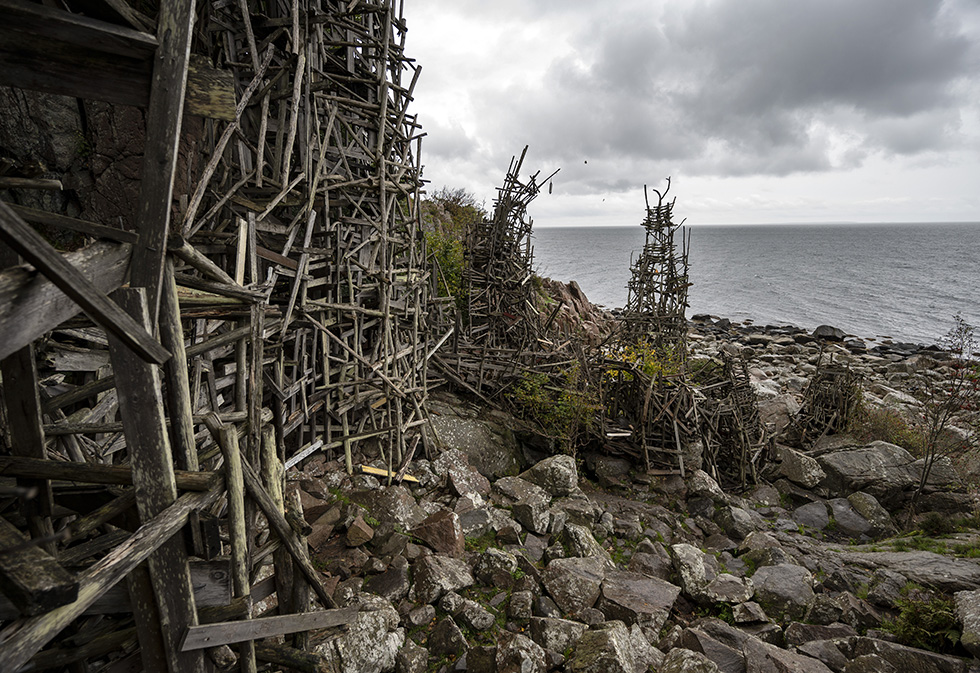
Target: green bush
<point>870,424</point>
<point>926,623</point>
<point>448,254</point>
<point>564,412</point>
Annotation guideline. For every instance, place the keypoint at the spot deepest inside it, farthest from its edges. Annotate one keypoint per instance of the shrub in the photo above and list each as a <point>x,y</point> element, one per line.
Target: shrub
<point>564,412</point>
<point>927,623</point>
<point>870,424</point>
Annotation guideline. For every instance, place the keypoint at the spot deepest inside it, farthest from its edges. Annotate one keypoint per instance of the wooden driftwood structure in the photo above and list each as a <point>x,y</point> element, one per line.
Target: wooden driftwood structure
<point>736,442</point>
<point>158,380</point>
<point>501,331</point>
<point>829,400</point>
<point>645,392</point>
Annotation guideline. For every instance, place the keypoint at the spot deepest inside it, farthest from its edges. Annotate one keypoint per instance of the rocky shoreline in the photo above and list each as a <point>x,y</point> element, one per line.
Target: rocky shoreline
<point>490,564</point>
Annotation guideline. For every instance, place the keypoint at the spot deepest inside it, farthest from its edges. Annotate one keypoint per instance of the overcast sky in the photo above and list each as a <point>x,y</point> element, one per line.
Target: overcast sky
<point>762,111</point>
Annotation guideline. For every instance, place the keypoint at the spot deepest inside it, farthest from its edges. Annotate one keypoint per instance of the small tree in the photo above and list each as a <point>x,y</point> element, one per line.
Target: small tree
<point>954,394</point>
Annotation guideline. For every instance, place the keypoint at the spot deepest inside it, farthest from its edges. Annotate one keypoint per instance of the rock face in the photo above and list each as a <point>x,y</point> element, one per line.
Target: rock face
<point>573,583</point>
<point>783,590</point>
<point>635,599</point>
<point>371,643</point>
<point>483,436</point>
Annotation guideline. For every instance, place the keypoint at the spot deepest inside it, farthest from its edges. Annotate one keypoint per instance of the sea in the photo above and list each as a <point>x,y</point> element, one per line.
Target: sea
<point>902,282</point>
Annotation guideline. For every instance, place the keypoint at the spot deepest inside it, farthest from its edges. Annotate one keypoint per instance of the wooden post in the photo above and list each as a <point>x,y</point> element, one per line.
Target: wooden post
<point>228,440</point>
<point>144,425</point>
<point>163,121</point>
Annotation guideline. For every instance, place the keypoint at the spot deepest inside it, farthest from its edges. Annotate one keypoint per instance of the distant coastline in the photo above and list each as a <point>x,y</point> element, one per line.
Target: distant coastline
<point>902,281</point>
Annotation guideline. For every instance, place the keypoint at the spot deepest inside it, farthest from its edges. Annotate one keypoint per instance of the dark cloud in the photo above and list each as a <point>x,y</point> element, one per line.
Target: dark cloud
<point>742,87</point>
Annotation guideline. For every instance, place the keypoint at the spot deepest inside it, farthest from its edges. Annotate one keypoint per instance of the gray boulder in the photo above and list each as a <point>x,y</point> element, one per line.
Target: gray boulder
<point>579,541</point>
<point>606,649</point>
<point>884,470</point>
<point>695,574</point>
<point>574,583</point>
<point>534,515</point>
<point>516,652</point>
<point>447,639</point>
<point>728,659</point>
<point>784,591</point>
<point>682,660</point>
<point>968,610</point>
<point>877,516</point>
<point>738,522</point>
<point>371,643</point>
<point>800,468</point>
<point>847,519</point>
<point>636,599</point>
<point>812,515</point>
<point>556,634</point>
<point>516,489</point>
<point>558,475</point>
<point>909,659</point>
<point>761,657</point>
<point>436,575</point>
<point>943,573</point>
<point>411,658</point>
<point>495,568</point>
<point>727,588</point>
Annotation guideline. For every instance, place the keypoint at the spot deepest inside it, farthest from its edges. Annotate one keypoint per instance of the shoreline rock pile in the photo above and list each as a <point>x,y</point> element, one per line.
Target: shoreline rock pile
<point>588,565</point>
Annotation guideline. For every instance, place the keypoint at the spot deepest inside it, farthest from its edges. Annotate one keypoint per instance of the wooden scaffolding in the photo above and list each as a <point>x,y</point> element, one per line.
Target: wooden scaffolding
<point>272,307</point>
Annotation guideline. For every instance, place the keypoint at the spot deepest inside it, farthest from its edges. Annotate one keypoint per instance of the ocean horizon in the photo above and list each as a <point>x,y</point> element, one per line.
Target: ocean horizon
<point>902,281</point>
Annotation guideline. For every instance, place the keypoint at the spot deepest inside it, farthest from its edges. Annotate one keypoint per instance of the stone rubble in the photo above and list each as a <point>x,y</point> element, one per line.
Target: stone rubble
<point>590,566</point>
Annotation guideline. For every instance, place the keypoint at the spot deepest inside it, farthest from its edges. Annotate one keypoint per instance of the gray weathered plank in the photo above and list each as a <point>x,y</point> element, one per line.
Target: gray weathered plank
<point>29,576</point>
<point>223,633</point>
<point>23,239</point>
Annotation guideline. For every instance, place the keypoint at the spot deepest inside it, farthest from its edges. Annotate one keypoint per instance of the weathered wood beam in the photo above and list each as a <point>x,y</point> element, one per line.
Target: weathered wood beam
<point>23,239</point>
<point>27,434</point>
<point>29,576</point>
<point>30,304</point>
<point>93,473</point>
<point>223,633</point>
<point>142,410</point>
<point>163,122</point>
<point>20,640</point>
<point>47,49</point>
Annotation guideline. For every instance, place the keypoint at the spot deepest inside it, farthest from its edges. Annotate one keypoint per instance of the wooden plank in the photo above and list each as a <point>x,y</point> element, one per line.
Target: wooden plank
<point>278,523</point>
<point>141,407</point>
<point>31,305</point>
<point>94,473</point>
<point>210,92</point>
<point>378,472</point>
<point>163,122</point>
<point>223,633</point>
<point>237,531</point>
<point>20,640</point>
<point>27,435</point>
<point>60,52</point>
<point>29,576</point>
<point>23,239</point>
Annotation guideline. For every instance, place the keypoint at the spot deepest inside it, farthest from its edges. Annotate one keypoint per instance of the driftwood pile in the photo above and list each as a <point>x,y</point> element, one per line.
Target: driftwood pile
<point>500,332</point>
<point>736,442</point>
<point>275,308</point>
<point>645,391</point>
<point>829,400</point>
